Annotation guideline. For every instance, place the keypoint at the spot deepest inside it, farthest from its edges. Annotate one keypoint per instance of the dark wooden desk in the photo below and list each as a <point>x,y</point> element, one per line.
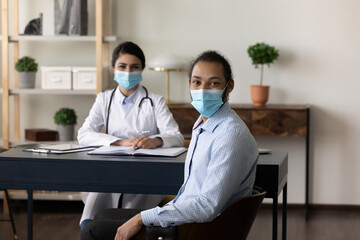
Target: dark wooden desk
<point>82,172</point>
<point>271,120</point>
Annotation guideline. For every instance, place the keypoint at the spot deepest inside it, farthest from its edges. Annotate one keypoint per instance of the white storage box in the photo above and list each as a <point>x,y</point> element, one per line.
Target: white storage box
<point>85,78</point>
<point>55,77</point>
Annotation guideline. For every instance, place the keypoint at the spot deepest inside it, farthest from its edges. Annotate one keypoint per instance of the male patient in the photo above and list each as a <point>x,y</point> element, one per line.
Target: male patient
<point>220,163</point>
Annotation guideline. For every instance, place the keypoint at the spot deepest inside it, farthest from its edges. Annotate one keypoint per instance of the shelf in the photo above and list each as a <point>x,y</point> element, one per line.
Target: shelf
<point>37,91</point>
<point>61,38</point>
<point>43,195</point>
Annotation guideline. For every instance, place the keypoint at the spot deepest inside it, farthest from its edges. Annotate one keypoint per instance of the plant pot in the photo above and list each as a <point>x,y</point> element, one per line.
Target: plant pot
<point>66,132</point>
<point>259,95</point>
<point>26,79</point>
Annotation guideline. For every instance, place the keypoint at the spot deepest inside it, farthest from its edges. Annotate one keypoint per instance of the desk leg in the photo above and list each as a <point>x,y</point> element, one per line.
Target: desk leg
<point>275,217</point>
<point>307,167</point>
<point>284,212</point>
<point>30,214</point>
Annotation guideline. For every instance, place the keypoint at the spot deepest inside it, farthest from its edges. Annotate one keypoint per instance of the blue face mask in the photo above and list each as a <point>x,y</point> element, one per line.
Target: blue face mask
<point>127,80</point>
<point>206,101</point>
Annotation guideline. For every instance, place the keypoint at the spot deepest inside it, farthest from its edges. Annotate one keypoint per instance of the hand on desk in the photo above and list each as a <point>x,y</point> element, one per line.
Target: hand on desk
<point>130,228</point>
<point>140,142</point>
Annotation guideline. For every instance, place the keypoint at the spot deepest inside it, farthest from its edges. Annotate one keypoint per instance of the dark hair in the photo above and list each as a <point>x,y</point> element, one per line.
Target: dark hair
<point>128,48</point>
<point>213,56</point>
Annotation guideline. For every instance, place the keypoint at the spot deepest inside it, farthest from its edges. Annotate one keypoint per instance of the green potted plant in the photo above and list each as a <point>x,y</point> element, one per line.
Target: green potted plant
<point>261,54</point>
<point>27,68</point>
<point>65,120</point>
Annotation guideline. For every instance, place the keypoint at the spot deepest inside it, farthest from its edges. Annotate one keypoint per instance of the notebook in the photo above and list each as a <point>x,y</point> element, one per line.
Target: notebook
<point>130,151</point>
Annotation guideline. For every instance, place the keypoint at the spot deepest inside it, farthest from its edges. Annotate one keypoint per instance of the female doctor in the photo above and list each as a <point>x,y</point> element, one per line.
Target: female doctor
<point>130,116</point>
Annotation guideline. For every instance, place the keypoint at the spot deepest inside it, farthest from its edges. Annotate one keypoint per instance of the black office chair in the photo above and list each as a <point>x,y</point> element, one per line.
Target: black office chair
<point>234,223</point>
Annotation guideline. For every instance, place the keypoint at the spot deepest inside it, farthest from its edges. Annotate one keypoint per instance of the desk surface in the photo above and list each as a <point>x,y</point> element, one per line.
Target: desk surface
<point>127,174</point>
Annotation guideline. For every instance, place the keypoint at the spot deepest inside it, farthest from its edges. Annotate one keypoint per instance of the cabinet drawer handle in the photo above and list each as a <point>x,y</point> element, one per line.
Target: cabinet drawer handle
<point>56,79</point>
<point>88,80</point>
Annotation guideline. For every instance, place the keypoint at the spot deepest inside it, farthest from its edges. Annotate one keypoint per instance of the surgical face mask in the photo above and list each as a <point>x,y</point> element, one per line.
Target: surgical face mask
<point>207,101</point>
<point>127,80</point>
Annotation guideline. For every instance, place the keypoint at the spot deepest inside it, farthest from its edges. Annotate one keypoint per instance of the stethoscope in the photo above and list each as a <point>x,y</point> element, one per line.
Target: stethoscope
<point>139,106</point>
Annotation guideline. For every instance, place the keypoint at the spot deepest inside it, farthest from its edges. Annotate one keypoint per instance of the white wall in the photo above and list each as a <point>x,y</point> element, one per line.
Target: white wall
<point>318,65</point>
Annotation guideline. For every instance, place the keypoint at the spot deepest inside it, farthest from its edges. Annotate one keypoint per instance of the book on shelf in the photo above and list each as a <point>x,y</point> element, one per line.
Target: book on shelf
<point>130,151</point>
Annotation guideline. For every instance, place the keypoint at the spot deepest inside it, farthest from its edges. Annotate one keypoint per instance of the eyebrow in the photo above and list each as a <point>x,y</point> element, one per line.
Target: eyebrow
<point>215,78</point>
<point>134,64</point>
<point>211,78</point>
<point>196,77</point>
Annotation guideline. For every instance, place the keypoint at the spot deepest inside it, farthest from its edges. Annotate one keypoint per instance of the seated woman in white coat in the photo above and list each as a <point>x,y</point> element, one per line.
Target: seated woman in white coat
<point>128,115</point>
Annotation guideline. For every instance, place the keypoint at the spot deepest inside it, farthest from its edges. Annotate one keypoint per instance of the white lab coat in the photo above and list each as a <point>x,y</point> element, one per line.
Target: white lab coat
<point>158,120</point>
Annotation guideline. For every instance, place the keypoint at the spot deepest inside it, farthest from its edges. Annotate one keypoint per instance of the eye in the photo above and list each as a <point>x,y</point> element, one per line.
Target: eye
<point>195,82</point>
<point>214,84</point>
<point>135,68</point>
<point>122,67</point>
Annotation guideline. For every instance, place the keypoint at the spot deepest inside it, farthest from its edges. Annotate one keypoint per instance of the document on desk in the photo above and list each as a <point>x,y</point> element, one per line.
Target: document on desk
<point>130,151</point>
<point>60,148</point>
<point>264,151</point>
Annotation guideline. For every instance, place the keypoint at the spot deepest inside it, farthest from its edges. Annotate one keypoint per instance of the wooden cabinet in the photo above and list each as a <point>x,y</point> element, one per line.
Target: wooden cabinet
<point>272,120</point>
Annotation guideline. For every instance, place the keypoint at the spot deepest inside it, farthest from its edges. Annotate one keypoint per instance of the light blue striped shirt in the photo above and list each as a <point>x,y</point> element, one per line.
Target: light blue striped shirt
<point>128,102</point>
<point>220,168</point>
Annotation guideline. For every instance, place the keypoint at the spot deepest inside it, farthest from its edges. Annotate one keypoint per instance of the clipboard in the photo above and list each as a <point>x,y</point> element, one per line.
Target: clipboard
<point>60,148</point>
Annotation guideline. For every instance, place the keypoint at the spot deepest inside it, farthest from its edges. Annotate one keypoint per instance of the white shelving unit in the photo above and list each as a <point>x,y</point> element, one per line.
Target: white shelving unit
<point>101,39</point>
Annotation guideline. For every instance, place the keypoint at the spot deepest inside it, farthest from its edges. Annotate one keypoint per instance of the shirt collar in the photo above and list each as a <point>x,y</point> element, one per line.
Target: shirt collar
<point>214,120</point>
<point>130,99</point>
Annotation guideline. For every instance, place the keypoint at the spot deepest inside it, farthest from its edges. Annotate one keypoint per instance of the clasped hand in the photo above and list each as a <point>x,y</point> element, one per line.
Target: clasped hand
<point>140,142</point>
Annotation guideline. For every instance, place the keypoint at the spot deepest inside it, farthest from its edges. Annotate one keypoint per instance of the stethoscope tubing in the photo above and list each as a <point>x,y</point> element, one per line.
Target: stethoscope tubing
<point>139,106</point>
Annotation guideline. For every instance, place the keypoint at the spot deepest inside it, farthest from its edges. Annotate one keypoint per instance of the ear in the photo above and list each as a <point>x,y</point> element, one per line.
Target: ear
<point>231,86</point>
<point>189,83</point>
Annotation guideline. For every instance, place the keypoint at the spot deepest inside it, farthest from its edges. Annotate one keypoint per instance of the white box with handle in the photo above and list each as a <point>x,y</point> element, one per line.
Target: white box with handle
<point>56,77</point>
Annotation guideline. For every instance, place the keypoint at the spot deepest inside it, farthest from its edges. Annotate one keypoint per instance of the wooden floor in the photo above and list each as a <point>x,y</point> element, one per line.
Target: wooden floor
<point>59,220</point>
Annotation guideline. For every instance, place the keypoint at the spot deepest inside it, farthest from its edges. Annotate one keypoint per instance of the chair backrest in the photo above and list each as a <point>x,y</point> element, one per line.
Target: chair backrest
<point>234,223</point>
